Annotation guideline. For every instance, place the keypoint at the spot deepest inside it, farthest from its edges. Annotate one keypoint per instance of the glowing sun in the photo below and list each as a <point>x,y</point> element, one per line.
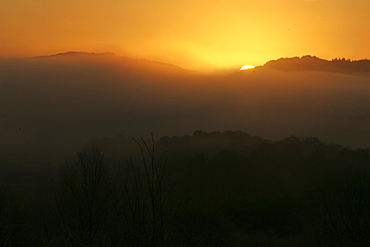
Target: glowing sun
<point>247,67</point>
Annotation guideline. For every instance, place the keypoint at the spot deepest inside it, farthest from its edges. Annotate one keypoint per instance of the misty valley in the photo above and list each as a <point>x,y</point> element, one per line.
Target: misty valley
<point>101,150</point>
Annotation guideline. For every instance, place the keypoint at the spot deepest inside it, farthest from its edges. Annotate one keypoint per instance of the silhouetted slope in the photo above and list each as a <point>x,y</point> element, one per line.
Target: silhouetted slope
<point>289,154</point>
<point>108,58</point>
<point>315,63</point>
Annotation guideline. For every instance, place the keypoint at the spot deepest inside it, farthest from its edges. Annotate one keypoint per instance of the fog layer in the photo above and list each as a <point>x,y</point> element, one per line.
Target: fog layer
<point>51,106</point>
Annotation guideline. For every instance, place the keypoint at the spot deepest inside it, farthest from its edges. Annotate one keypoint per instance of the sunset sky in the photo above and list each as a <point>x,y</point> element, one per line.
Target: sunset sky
<point>193,34</point>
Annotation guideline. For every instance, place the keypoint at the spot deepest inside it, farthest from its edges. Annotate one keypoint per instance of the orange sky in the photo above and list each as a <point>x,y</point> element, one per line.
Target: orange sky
<point>193,34</point>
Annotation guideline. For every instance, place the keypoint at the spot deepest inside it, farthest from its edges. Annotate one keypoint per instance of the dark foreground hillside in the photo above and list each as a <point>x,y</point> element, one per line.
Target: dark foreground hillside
<point>206,189</point>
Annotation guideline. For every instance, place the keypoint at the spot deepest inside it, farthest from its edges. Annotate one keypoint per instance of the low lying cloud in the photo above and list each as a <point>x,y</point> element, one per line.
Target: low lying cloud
<point>50,107</point>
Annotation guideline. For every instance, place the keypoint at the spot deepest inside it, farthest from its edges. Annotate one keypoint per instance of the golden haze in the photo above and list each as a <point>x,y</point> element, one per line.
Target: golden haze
<point>192,34</point>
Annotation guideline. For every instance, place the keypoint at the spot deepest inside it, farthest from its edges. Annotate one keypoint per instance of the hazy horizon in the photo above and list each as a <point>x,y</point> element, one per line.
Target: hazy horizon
<point>208,70</point>
<point>53,105</point>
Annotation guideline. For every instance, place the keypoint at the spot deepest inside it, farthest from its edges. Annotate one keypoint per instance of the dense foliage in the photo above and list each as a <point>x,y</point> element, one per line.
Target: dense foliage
<point>207,189</point>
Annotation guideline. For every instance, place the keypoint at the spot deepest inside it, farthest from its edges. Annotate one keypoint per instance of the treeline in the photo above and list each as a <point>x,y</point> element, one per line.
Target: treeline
<point>338,65</point>
<point>206,189</point>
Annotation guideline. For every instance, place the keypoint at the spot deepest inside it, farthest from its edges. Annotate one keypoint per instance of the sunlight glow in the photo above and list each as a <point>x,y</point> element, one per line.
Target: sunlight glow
<point>213,35</point>
<point>247,67</point>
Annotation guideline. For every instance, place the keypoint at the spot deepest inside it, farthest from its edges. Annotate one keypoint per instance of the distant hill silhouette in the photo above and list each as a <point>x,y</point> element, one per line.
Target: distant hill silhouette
<point>314,63</point>
<point>110,58</point>
<point>305,63</point>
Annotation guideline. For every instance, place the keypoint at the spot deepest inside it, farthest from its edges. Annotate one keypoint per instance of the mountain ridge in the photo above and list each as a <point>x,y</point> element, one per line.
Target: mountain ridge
<point>304,63</point>
<point>111,58</point>
<point>308,62</point>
